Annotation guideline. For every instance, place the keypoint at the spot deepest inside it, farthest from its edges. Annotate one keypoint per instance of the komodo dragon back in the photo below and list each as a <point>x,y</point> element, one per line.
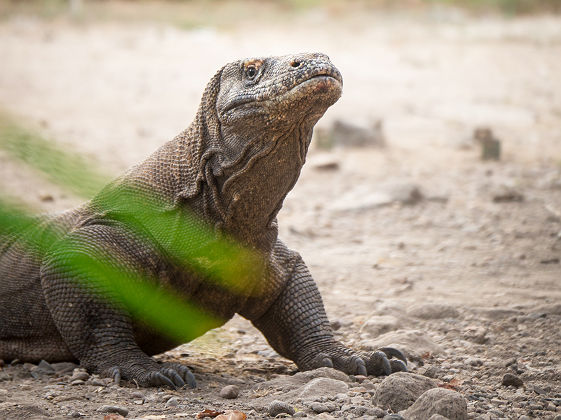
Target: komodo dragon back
<point>228,174</point>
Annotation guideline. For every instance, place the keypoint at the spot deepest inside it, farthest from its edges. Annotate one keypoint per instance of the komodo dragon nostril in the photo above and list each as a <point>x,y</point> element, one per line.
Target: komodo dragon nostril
<point>295,63</point>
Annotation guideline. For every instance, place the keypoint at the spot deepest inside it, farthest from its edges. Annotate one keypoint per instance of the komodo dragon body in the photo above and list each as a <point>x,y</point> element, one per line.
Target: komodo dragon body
<point>232,168</point>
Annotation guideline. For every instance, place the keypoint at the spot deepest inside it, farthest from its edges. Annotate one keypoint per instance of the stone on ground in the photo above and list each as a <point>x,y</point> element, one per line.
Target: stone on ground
<point>450,404</point>
<point>324,387</point>
<point>411,342</point>
<point>400,390</point>
<point>433,311</point>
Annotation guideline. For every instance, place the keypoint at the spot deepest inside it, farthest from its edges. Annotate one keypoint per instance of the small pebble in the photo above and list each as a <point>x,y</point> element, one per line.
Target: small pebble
<point>79,374</point>
<point>323,407</point>
<point>172,402</point>
<point>230,392</point>
<point>97,382</point>
<point>114,409</point>
<point>512,380</point>
<point>279,407</point>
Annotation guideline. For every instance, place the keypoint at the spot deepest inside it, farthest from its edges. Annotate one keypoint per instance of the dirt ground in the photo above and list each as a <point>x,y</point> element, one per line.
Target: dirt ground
<point>466,278</point>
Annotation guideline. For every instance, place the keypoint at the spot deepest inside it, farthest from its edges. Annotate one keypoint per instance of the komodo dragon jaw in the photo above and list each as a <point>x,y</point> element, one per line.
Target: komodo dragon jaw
<point>231,169</point>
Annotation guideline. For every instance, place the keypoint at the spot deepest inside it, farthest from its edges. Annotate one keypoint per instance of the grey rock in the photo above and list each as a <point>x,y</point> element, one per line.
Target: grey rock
<point>433,311</point>
<point>400,390</point>
<point>323,372</point>
<point>113,409</point>
<point>43,368</point>
<point>553,309</point>
<point>137,395</point>
<point>280,407</point>
<point>324,162</point>
<point>507,194</point>
<point>325,387</point>
<point>46,366</point>
<point>80,374</point>
<point>97,382</point>
<point>300,414</point>
<point>476,334</point>
<point>497,313</point>
<point>393,417</point>
<point>172,402</point>
<point>510,379</point>
<point>346,134</point>
<point>411,342</point>
<point>474,361</point>
<point>230,392</point>
<point>376,412</point>
<point>319,408</point>
<point>364,198</point>
<point>445,402</point>
<point>438,417</point>
<point>63,368</point>
<point>381,324</point>
<point>490,146</point>
<point>5,376</point>
<point>433,372</point>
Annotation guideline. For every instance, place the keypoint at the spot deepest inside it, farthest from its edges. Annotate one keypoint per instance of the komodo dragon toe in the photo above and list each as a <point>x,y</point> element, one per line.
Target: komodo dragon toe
<point>378,363</point>
<point>174,375</point>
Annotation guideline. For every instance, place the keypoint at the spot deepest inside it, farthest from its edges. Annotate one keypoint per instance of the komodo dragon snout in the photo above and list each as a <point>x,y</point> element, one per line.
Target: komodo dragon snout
<point>230,170</point>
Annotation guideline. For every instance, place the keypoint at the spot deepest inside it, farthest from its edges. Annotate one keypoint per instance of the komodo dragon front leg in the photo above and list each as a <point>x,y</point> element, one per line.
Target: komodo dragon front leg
<point>297,327</point>
<point>100,335</point>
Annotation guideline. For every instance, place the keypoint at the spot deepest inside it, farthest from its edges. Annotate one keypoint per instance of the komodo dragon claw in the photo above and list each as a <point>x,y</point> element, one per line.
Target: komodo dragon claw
<point>385,361</point>
<point>173,375</point>
<point>392,352</point>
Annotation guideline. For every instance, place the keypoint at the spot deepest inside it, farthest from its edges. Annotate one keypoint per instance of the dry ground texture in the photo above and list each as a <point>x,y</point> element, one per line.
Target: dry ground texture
<point>418,244</point>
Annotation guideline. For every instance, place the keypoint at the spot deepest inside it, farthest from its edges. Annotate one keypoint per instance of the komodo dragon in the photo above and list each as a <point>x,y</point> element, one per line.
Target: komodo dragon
<point>232,167</point>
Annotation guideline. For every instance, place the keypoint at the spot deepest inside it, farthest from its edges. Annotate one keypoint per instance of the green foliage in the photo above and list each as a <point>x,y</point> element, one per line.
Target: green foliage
<point>218,259</point>
<point>58,165</point>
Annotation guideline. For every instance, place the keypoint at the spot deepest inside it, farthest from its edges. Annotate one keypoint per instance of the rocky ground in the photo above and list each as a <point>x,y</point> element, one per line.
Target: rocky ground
<point>417,243</point>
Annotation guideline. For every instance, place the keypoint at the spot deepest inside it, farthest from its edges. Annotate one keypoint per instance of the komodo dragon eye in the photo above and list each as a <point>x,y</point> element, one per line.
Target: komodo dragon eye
<point>251,72</point>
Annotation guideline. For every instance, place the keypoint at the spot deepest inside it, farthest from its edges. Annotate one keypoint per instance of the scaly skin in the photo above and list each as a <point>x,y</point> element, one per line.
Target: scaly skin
<point>232,168</point>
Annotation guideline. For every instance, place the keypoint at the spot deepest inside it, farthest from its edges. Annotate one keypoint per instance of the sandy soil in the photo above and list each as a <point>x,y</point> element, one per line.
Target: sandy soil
<point>486,272</point>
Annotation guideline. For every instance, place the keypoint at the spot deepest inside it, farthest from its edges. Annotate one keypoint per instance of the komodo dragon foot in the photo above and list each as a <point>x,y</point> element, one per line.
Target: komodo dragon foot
<point>385,361</point>
<point>297,327</point>
<point>174,375</point>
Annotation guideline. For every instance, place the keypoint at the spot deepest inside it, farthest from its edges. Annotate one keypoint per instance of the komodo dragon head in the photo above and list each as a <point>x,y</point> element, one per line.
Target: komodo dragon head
<point>259,115</point>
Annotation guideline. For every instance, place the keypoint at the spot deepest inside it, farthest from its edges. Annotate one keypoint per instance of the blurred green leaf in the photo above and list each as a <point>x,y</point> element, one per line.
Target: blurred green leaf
<point>60,166</point>
<point>188,241</point>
